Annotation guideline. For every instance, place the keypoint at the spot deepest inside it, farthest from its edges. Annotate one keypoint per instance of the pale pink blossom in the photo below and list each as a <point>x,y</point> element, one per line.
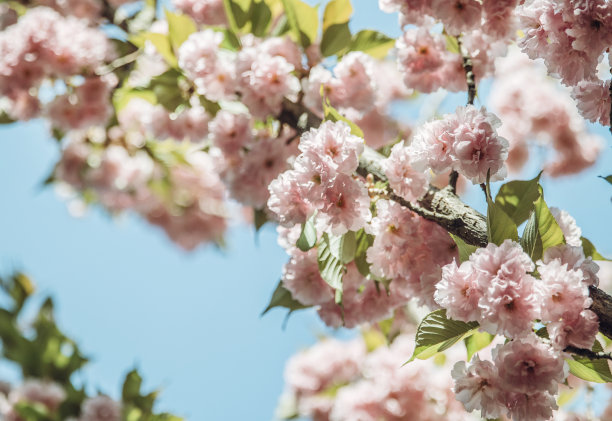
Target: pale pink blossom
<point>355,82</point>
<point>206,12</point>
<point>426,64</point>
<point>563,291</point>
<point>578,330</point>
<point>499,18</point>
<point>593,100</point>
<point>431,145</point>
<point>477,147</point>
<point>302,278</point>
<point>100,408</point>
<point>288,198</point>
<point>459,292</point>
<point>231,132</point>
<point>574,258</point>
<point>477,387</point>
<point>538,406</point>
<point>211,69</point>
<point>346,206</point>
<point>527,365</point>
<point>333,144</point>
<point>405,181</point>
<point>457,15</point>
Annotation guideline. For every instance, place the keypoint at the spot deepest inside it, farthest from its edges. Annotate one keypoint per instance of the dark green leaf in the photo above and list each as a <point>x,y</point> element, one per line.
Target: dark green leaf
<point>465,250</point>
<point>303,21</point>
<point>500,226</point>
<point>371,42</point>
<point>516,198</point>
<point>531,241</point>
<point>437,333</point>
<point>364,241</point>
<point>282,298</point>
<point>260,17</point>
<point>336,39</point>
<point>5,119</point>
<point>308,236</point>
<point>259,218</point>
<point>608,178</point>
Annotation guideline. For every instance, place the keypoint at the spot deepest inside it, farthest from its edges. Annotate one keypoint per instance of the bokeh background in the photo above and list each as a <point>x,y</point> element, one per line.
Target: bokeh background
<point>191,321</point>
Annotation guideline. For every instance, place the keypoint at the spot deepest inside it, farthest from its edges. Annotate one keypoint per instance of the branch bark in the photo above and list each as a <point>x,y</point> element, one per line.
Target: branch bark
<point>441,206</point>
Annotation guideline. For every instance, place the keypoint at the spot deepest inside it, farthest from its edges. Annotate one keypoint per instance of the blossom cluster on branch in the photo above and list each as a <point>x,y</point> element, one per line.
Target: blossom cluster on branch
<point>257,110</point>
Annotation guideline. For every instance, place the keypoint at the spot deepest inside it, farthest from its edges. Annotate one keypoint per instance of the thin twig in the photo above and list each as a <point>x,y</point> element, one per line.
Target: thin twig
<point>588,353</point>
<point>469,72</point>
<point>452,180</point>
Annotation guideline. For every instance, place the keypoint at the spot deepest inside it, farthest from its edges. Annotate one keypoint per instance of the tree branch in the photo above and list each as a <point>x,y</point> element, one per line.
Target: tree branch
<point>443,207</point>
<point>588,353</point>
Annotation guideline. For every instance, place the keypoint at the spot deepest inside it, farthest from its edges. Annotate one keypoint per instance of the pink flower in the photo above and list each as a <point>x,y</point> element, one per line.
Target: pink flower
<point>334,145</point>
<point>593,100</point>
<point>537,406</point>
<point>457,15</point>
<point>346,206</point>
<point>499,18</point>
<point>231,132</point>
<point>563,291</point>
<point>527,365</point>
<point>288,198</point>
<point>477,386</point>
<point>355,82</point>
<point>432,144</point>
<point>426,63</point>
<point>574,258</point>
<point>100,408</point>
<point>477,147</point>
<point>459,292</point>
<point>509,301</point>
<point>211,69</point>
<point>403,178</point>
<point>574,329</point>
<point>302,278</point>
<point>206,12</point>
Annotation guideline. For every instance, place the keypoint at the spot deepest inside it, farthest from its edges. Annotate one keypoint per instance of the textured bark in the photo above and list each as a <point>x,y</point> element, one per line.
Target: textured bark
<point>443,207</point>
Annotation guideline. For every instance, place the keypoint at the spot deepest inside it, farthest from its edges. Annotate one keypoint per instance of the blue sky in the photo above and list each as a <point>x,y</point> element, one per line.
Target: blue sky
<point>189,321</point>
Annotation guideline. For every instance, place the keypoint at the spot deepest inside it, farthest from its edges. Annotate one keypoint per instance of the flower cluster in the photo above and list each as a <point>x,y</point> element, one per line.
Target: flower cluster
<point>206,12</point>
<point>571,35</point>
<point>496,288</point>
<point>466,141</point>
<point>322,180</point>
<point>409,251</point>
<point>519,382</point>
<point>261,74</point>
<point>533,106</point>
<point>50,396</point>
<point>335,381</point>
<point>43,44</point>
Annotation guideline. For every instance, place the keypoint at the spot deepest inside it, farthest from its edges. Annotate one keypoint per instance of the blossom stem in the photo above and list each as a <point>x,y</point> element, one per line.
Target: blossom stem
<point>468,67</point>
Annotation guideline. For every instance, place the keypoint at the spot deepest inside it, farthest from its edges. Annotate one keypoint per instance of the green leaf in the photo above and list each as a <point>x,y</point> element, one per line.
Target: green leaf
<point>231,9</point>
<point>548,229</point>
<point>123,95</point>
<point>500,226</point>
<point>308,236</point>
<point>597,371</point>
<point>343,247</point>
<point>516,198</point>
<point>330,266</point>
<point>161,43</point>
<point>230,40</point>
<point>283,298</point>
<point>452,44</point>
<point>590,251</point>
<point>608,178</point>
<point>260,18</point>
<point>363,241</point>
<point>336,39</point>
<point>303,21</point>
<point>5,119</point>
<point>477,341</point>
<point>337,12</point>
<point>259,218</point>
<point>437,333</point>
<point>531,241</point>
<point>371,42</point>
<point>332,114</point>
<point>211,107</point>
<point>180,26</point>
<point>131,386</point>
<point>465,250</point>
<point>167,91</point>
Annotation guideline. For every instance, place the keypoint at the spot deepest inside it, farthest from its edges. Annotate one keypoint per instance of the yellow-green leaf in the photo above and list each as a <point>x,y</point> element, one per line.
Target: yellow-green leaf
<point>180,26</point>
<point>337,11</point>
